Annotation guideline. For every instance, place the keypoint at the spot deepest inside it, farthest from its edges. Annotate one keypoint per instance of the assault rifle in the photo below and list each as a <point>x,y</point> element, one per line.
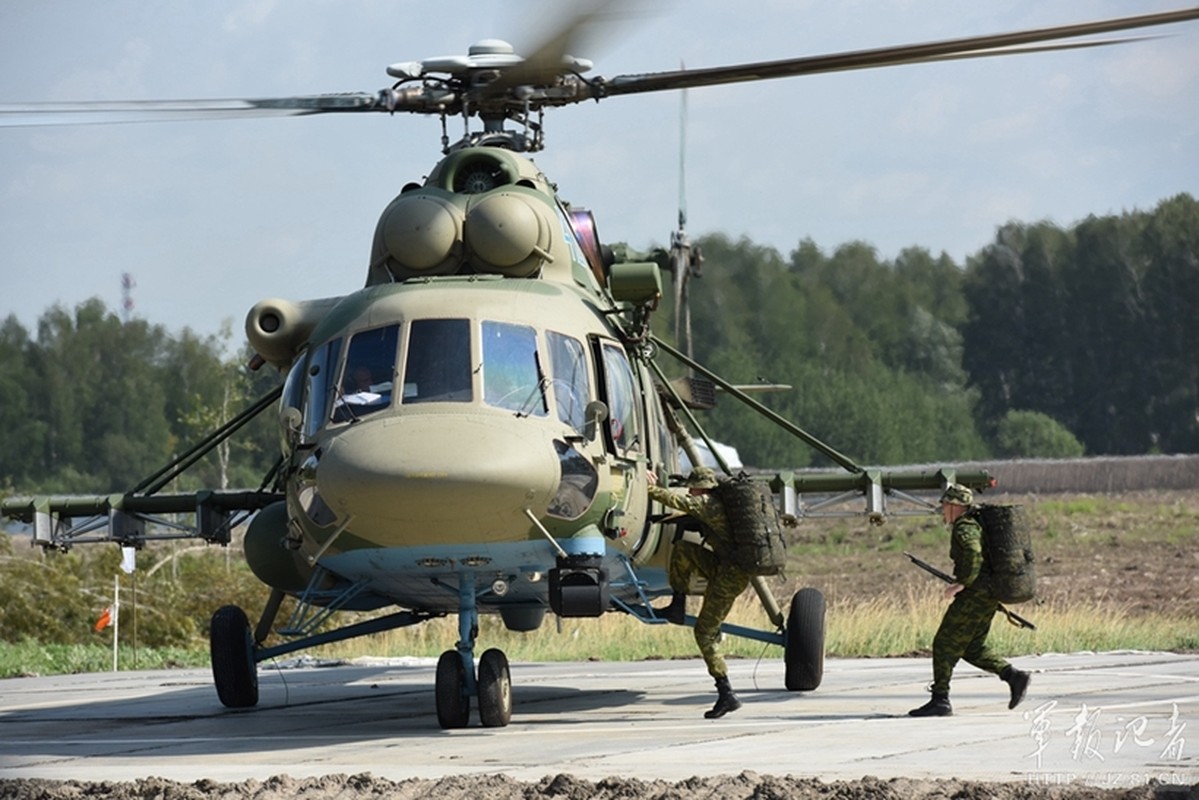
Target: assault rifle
<point>1012,616</point>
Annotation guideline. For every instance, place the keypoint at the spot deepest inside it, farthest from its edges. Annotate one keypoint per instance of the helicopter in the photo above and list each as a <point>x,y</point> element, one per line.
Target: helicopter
<point>471,432</point>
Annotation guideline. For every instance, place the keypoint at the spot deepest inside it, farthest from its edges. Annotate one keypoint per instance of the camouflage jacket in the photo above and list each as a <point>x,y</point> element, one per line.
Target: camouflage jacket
<point>706,508</point>
<point>966,550</point>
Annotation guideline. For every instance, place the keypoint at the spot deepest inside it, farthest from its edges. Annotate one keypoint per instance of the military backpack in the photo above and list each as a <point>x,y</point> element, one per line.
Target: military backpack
<point>1009,571</point>
<point>755,529</point>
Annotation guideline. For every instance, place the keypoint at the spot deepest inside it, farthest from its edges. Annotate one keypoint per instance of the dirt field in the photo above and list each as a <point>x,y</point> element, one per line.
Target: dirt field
<point>746,786</point>
<point>1136,551</point>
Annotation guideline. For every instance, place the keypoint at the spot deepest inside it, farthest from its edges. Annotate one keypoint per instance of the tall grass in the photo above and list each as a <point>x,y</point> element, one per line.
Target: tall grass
<point>29,658</point>
<point>878,627</point>
<point>905,625</point>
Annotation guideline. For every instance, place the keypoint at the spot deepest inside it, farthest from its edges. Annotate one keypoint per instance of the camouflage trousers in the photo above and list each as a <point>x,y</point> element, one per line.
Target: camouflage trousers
<point>725,584</point>
<point>963,634</point>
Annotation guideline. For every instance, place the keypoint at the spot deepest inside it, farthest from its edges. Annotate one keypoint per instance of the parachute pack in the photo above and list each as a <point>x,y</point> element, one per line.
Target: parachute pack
<point>1009,572</point>
<point>756,531</point>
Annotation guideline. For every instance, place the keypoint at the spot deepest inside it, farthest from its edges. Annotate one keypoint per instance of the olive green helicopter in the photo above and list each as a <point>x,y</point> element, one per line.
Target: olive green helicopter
<point>471,432</point>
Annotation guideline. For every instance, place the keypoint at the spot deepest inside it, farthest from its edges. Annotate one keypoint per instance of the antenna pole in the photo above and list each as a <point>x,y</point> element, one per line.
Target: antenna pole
<point>127,286</point>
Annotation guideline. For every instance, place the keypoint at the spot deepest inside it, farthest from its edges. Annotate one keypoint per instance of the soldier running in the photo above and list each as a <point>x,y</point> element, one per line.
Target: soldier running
<point>725,580</point>
<point>967,621</point>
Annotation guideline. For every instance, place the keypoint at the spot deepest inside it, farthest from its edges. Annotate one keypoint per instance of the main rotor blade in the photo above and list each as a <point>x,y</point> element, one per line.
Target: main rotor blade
<point>106,112</point>
<point>573,35</point>
<point>968,47</point>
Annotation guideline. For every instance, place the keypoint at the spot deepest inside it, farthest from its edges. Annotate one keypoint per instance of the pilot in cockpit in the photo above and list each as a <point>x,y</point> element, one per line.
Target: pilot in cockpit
<point>361,393</point>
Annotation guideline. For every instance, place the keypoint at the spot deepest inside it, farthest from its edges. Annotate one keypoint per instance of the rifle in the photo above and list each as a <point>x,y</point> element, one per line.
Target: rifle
<point>1012,616</point>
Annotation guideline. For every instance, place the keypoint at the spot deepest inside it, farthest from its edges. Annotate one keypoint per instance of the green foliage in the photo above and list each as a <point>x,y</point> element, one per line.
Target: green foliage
<point>44,598</point>
<point>167,602</point>
<point>1094,327</point>
<point>1031,434</point>
<point>868,347</point>
<point>94,404</point>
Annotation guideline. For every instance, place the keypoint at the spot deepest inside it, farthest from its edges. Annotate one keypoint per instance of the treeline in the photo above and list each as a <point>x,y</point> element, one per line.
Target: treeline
<point>91,404</point>
<point>1047,343</point>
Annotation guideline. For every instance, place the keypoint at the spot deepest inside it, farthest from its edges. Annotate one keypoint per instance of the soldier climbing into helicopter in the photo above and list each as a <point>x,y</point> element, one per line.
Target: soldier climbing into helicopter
<point>726,581</point>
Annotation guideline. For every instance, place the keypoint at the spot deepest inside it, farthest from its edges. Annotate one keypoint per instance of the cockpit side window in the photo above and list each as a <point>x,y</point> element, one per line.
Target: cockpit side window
<point>513,377</point>
<point>623,419</point>
<point>369,375</point>
<point>322,366</point>
<point>293,385</point>
<point>569,381</point>
<point>293,397</point>
<point>438,365</point>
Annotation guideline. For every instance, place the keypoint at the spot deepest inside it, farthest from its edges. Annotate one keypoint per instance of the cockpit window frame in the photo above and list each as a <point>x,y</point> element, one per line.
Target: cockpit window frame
<point>357,395</point>
<point>622,439</point>
<point>321,367</point>
<point>514,376</point>
<point>459,378</point>
<point>570,377</point>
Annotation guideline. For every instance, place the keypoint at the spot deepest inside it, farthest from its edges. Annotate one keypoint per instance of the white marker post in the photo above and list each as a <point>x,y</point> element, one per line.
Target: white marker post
<point>116,617</point>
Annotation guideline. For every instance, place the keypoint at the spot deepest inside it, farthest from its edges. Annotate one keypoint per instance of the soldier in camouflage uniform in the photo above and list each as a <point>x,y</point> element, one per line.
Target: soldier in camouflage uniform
<point>967,621</point>
<point>725,580</point>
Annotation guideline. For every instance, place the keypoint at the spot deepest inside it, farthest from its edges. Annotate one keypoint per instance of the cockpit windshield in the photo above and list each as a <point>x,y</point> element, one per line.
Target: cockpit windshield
<point>346,379</point>
<point>438,367</point>
<point>513,377</point>
<point>369,375</point>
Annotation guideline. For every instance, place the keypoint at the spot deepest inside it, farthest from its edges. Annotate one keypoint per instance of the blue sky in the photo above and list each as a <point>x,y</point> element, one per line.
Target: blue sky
<point>210,217</point>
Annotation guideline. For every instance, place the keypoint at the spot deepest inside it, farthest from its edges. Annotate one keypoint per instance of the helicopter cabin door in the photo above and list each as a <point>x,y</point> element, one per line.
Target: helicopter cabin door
<point>626,441</point>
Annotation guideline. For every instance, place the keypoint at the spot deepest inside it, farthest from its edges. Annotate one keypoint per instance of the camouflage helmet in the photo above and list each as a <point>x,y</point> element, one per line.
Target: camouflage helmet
<point>702,478</point>
<point>958,495</point>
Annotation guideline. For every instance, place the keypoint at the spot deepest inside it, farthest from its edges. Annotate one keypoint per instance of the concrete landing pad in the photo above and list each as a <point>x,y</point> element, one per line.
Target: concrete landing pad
<point>1109,719</point>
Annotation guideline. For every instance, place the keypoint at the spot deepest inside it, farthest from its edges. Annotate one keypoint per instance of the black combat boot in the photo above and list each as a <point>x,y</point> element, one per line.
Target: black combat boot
<point>937,707</point>
<point>676,611</point>
<point>726,702</point>
<point>1017,681</point>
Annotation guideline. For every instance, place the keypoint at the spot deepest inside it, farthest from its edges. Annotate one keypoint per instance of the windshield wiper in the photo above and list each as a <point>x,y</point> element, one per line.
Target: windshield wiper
<point>542,381</point>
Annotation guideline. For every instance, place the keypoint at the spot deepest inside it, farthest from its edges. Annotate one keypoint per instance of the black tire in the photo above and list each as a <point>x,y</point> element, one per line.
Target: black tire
<point>453,705</point>
<point>804,647</point>
<point>234,669</point>
<point>495,689</point>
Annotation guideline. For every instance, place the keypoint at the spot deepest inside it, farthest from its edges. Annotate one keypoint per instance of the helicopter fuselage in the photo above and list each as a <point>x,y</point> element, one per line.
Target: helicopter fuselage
<point>465,423</point>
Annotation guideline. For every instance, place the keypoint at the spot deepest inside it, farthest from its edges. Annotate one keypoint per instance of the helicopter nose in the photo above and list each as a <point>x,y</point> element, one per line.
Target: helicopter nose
<point>409,478</point>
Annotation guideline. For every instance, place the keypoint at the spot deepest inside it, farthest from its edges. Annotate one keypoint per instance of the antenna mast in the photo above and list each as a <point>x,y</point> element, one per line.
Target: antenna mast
<point>127,286</point>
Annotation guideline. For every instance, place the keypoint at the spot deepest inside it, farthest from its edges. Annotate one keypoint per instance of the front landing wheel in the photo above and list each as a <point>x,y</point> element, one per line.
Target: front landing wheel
<point>234,670</point>
<point>453,704</point>
<point>804,644</point>
<point>495,689</point>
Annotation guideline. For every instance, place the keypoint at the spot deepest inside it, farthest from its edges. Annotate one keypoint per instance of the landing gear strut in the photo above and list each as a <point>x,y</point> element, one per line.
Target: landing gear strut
<point>456,680</point>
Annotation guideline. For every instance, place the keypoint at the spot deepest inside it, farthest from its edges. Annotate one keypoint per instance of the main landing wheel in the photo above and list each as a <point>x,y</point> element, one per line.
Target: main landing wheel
<point>495,689</point>
<point>453,704</point>
<point>804,641</point>
<point>234,670</point>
